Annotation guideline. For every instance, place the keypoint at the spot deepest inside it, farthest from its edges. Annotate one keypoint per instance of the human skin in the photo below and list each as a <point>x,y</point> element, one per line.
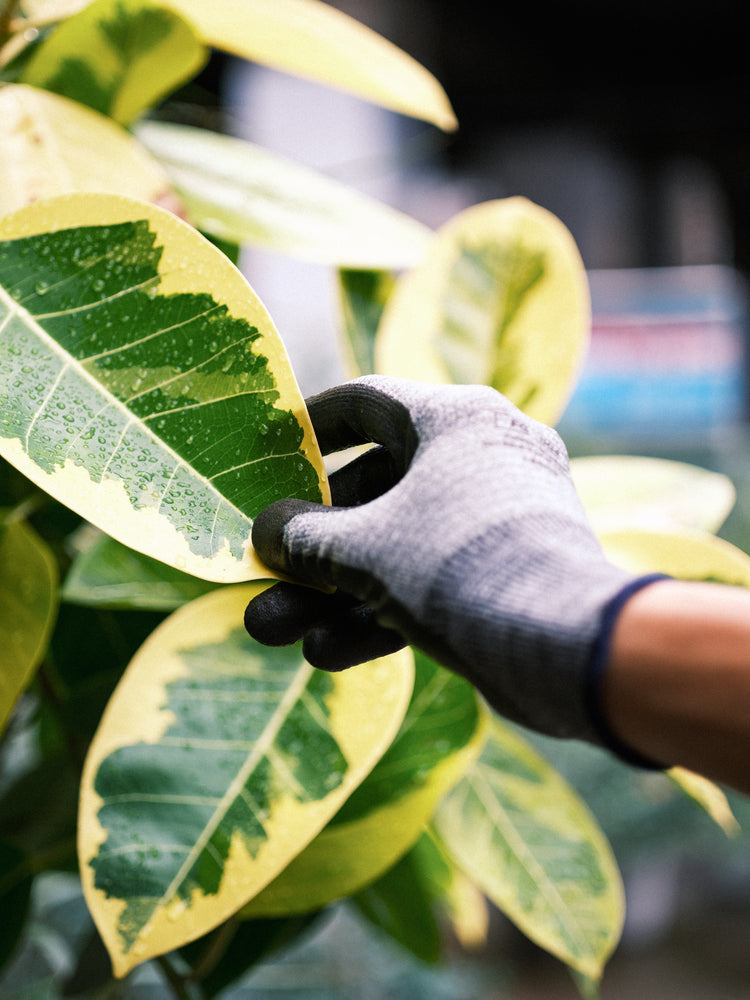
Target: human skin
<point>677,686</point>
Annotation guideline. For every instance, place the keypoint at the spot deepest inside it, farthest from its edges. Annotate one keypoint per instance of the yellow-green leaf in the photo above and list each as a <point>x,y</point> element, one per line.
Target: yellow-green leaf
<point>142,383</point>
<point>687,555</point>
<point>47,142</point>
<point>525,838</point>
<point>441,735</point>
<point>312,39</point>
<point>216,762</point>
<point>621,491</point>
<point>708,796</point>
<point>240,192</point>
<point>28,605</point>
<point>120,57</point>
<point>501,299</point>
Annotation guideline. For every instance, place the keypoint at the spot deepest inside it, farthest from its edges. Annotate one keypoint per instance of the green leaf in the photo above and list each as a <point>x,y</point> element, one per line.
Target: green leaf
<point>216,762</point>
<point>502,300</point>
<point>314,40</point>
<point>119,57</point>
<point>363,296</point>
<point>242,192</point>
<point>400,904</point>
<point>143,385</point>
<point>441,735</point>
<point>47,142</point>
<point>107,574</point>
<point>28,604</point>
<point>521,833</point>
<point>630,491</point>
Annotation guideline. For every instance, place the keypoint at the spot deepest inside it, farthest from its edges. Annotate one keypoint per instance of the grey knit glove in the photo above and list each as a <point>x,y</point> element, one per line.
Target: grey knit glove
<point>462,535</point>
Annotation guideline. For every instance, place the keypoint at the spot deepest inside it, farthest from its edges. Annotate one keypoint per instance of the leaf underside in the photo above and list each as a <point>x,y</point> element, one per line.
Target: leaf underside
<point>517,829</point>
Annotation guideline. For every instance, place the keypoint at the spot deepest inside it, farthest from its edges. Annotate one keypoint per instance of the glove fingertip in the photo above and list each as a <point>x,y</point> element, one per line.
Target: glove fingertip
<point>269,527</point>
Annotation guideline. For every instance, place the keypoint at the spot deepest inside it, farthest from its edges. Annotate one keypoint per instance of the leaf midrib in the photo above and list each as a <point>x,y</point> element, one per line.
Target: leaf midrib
<point>526,858</point>
<point>20,312</point>
<point>261,748</point>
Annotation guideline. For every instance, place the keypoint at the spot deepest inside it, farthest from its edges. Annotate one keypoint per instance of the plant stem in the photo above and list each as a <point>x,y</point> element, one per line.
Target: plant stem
<point>177,982</point>
<point>218,943</point>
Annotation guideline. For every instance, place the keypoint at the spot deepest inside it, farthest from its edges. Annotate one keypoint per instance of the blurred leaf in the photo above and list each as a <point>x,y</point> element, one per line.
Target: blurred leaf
<point>220,958</point>
<point>456,894</point>
<point>47,144</point>
<point>242,192</point>
<point>15,893</point>
<point>119,57</point>
<point>441,735</point>
<point>51,10</point>
<point>312,39</point>
<point>708,796</point>
<point>520,832</point>
<point>38,810</point>
<point>501,299</point>
<point>143,385</point>
<point>28,604</point>
<point>363,296</point>
<point>107,574</point>
<point>687,555</point>
<point>620,491</point>
<point>216,762</point>
<point>400,904</point>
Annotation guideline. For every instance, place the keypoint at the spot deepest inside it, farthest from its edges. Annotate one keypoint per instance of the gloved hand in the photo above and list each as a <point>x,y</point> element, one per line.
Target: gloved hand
<point>461,534</point>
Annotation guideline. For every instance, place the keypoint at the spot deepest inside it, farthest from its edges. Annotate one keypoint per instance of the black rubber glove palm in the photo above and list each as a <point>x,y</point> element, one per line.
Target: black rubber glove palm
<point>461,534</point>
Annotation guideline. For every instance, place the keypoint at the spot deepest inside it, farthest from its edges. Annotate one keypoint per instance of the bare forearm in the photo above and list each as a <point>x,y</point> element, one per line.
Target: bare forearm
<point>677,688</point>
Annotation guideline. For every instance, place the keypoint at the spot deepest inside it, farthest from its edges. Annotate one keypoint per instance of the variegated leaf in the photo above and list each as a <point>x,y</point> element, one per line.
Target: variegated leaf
<point>216,762</point>
<point>142,383</point>
<point>525,838</point>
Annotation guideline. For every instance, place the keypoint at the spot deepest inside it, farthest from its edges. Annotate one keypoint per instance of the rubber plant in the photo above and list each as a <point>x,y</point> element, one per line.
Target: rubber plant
<point>214,794</point>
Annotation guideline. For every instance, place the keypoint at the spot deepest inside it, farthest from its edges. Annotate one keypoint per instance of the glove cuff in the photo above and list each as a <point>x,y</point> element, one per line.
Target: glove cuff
<point>597,668</point>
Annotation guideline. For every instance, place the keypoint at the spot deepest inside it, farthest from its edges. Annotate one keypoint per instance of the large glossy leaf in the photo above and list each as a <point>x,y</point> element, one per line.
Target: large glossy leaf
<point>142,383</point>
<point>119,57</point>
<point>501,299</point>
<point>363,296</point>
<point>107,574</point>
<point>684,554</point>
<point>313,39</point>
<point>238,191</point>
<point>522,834</point>
<point>442,733</point>
<point>621,491</point>
<point>47,144</point>
<point>216,762</point>
<point>28,603</point>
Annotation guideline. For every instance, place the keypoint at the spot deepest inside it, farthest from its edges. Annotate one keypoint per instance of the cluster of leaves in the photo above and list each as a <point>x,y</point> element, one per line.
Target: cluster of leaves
<point>216,795</point>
